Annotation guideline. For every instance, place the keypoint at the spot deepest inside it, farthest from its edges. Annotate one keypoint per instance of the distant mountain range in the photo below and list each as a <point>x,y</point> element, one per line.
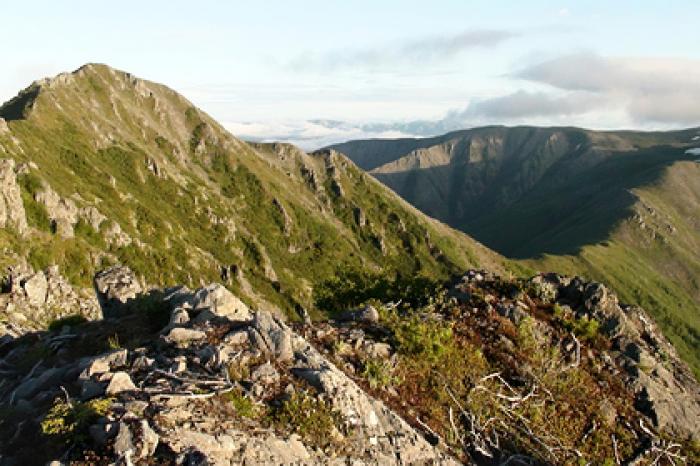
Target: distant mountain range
<point>622,207</point>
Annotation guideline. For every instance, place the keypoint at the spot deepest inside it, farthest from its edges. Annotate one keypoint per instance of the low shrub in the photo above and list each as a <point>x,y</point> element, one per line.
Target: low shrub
<point>69,421</point>
<point>312,418</point>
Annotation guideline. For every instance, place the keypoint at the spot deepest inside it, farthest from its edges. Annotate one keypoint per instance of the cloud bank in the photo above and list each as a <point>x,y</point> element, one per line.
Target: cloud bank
<point>429,49</point>
<point>582,89</point>
<point>650,90</point>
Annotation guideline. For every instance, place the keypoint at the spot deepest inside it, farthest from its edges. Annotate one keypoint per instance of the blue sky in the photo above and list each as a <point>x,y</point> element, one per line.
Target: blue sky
<point>315,72</point>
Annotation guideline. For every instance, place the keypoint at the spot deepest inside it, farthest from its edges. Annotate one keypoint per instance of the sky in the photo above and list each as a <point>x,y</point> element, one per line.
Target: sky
<point>319,72</point>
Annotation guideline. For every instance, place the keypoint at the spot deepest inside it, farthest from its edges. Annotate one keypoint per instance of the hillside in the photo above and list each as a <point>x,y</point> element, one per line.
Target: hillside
<point>619,207</point>
<point>100,167</point>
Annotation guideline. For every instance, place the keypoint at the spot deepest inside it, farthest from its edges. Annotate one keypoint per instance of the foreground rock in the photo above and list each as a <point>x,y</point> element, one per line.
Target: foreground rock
<point>115,287</point>
<point>197,377</point>
<point>664,387</point>
<point>34,299</point>
<point>199,390</point>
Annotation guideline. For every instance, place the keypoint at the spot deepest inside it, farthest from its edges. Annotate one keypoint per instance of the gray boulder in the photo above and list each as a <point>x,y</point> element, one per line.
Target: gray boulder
<point>183,336</point>
<point>46,380</point>
<point>120,382</point>
<point>115,287</point>
<point>36,288</point>
<point>367,314</point>
<point>216,301</point>
<point>271,336</point>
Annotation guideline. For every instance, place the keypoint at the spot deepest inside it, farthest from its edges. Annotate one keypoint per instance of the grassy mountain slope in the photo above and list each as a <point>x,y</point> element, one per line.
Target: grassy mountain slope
<point>619,207</point>
<point>118,169</point>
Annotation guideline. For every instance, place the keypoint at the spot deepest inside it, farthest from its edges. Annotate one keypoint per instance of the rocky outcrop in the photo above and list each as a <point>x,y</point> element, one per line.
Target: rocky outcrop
<point>174,395</point>
<point>12,213</point>
<point>62,212</point>
<point>664,387</point>
<point>92,217</point>
<point>115,287</point>
<point>34,299</point>
<point>65,214</point>
<point>286,219</point>
<point>359,216</point>
<point>194,391</point>
<point>116,236</point>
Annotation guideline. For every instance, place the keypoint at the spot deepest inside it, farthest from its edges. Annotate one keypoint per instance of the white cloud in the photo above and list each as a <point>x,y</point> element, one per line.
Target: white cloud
<point>523,104</point>
<point>309,135</point>
<point>428,49</point>
<point>580,90</point>
<point>650,90</point>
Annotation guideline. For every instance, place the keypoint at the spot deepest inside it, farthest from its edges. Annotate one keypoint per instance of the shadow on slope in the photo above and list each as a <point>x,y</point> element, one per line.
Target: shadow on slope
<point>565,210</point>
<point>16,108</point>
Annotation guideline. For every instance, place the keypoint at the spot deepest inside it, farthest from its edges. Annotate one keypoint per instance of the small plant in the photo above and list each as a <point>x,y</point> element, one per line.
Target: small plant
<point>417,337</point>
<point>310,417</point>
<point>587,329</point>
<point>378,373</point>
<point>538,290</point>
<point>239,370</point>
<point>340,347</point>
<point>113,342</point>
<point>69,421</point>
<point>558,311</point>
<point>244,406</point>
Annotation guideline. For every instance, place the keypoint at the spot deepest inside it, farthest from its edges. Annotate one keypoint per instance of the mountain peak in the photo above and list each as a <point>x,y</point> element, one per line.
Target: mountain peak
<point>91,77</point>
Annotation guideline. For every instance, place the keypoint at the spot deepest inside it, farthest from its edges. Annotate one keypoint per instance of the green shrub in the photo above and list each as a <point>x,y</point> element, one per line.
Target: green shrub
<point>40,258</point>
<point>69,421</point>
<point>84,230</point>
<point>422,338</point>
<point>587,329</point>
<point>310,417</point>
<point>37,215</point>
<point>351,287</point>
<point>244,406</point>
<point>30,183</point>
<point>378,373</point>
<point>113,342</point>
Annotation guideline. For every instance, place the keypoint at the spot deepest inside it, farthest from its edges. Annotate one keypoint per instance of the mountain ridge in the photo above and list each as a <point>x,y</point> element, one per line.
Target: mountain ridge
<point>568,199</point>
<point>126,168</point>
